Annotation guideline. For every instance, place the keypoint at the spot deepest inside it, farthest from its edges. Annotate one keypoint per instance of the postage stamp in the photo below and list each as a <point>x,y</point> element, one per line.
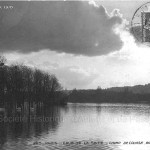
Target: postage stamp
<point>140,24</point>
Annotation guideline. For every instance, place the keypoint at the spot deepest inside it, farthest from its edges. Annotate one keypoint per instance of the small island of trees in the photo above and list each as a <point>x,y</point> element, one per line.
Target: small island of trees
<point>20,85</point>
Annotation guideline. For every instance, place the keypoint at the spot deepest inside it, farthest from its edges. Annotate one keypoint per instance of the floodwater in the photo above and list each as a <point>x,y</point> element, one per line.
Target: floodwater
<point>78,127</point>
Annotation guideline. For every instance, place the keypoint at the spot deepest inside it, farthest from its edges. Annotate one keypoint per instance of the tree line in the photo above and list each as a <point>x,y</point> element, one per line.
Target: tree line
<point>105,95</point>
<point>20,83</point>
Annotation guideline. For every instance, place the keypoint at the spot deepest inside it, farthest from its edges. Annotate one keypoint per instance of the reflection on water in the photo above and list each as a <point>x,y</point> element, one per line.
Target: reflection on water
<point>82,124</point>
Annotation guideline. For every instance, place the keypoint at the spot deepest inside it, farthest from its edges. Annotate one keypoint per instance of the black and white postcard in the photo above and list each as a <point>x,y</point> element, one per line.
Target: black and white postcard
<point>75,75</point>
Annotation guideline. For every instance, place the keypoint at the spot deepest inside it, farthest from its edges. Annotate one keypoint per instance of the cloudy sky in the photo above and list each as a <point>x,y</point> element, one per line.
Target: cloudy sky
<point>86,44</point>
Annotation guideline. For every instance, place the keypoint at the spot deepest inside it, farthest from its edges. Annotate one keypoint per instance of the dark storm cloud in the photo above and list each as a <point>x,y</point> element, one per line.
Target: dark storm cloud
<point>70,27</point>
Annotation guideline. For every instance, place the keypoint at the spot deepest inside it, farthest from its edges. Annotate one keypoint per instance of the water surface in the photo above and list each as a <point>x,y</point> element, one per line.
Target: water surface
<point>108,125</point>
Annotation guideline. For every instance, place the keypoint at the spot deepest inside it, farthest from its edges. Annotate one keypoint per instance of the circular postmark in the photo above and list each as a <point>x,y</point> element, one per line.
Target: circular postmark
<point>140,24</point>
